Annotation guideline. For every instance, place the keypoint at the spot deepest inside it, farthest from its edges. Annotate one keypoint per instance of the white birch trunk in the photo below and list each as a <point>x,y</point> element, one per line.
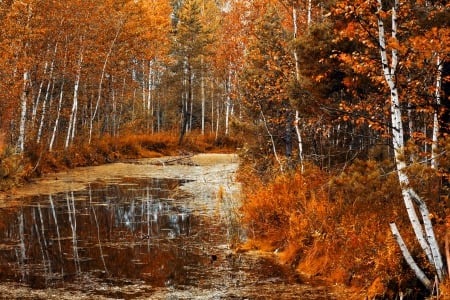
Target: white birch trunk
<point>217,118</point>
<point>300,143</point>
<point>46,98</point>
<point>212,107</point>
<point>228,104</point>
<point>100,84</point>
<point>294,18</point>
<point>144,83</point>
<point>23,113</point>
<point>426,239</point>
<point>437,95</point>
<point>297,76</point>
<point>409,259</point>
<point>309,12</point>
<point>41,122</point>
<point>38,97</point>
<point>203,96</point>
<point>58,113</point>
<point>150,86</point>
<point>73,114</point>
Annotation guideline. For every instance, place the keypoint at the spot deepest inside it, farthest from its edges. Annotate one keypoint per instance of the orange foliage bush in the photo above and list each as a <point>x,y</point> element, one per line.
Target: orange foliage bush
<point>337,227</point>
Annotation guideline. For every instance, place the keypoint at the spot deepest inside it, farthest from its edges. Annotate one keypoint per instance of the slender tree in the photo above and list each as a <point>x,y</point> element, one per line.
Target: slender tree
<point>391,32</point>
<point>268,71</point>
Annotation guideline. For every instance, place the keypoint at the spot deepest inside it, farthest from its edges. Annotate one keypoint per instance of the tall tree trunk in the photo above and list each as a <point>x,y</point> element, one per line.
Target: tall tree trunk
<point>191,100</point>
<point>203,96</point>
<point>228,104</point>
<point>217,119</point>
<point>425,236</point>
<point>300,144</point>
<point>309,12</point>
<point>73,114</point>
<point>58,114</point>
<point>150,102</point>
<point>23,112</point>
<point>144,87</point>
<point>437,97</point>
<point>185,106</point>
<point>100,84</point>
<point>38,97</point>
<point>297,77</point>
<point>48,94</point>
<point>212,106</point>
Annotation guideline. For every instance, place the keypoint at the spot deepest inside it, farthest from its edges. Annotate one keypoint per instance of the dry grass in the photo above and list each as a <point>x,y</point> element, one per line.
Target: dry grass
<point>336,227</point>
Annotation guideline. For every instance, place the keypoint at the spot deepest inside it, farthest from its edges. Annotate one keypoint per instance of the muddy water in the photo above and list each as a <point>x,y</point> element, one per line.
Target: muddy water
<point>157,231</point>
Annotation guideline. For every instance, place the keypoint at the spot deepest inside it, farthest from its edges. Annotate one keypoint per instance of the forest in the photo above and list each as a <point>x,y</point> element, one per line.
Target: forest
<point>339,111</point>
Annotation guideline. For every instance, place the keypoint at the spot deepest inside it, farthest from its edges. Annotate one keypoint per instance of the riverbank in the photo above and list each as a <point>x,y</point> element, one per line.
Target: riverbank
<point>77,178</point>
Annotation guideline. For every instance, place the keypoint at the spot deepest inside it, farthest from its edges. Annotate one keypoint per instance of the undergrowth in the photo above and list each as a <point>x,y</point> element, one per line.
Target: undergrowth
<point>336,226</point>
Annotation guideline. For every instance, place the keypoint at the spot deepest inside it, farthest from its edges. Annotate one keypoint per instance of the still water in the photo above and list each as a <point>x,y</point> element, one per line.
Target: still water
<point>138,238</point>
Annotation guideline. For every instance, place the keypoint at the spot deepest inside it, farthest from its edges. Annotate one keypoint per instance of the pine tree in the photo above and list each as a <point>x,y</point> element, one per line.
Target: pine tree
<point>268,71</point>
<point>191,40</point>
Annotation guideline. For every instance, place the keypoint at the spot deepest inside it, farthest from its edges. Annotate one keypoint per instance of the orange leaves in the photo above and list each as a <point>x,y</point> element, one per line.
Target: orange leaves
<point>393,43</point>
<point>288,208</point>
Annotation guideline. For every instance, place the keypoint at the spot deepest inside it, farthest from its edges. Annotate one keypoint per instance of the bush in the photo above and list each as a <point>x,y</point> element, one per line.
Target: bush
<point>337,226</point>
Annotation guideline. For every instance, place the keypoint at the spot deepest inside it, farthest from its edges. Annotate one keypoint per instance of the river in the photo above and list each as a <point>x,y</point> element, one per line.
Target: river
<point>142,229</point>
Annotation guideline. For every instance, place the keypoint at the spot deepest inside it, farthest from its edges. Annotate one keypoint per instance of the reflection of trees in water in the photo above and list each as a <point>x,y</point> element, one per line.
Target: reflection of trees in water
<point>118,230</point>
<point>20,253</point>
<point>98,229</point>
<point>71,210</point>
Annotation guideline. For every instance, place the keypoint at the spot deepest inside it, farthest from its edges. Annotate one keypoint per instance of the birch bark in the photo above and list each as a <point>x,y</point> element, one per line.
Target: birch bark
<point>437,96</point>
<point>58,113</point>
<point>409,259</point>
<point>100,84</point>
<point>228,104</point>
<point>73,114</point>
<point>203,95</point>
<point>424,235</point>
<point>297,76</point>
<point>23,113</point>
<point>38,97</point>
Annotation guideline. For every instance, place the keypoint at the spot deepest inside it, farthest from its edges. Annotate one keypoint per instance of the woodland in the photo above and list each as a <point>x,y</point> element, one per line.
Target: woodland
<point>338,109</point>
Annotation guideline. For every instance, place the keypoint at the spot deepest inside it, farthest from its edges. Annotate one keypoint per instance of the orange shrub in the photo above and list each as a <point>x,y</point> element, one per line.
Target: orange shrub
<point>337,227</point>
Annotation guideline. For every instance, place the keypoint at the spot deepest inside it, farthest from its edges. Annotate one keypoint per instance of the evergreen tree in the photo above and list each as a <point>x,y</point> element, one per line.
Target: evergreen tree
<point>191,40</point>
<point>268,71</point>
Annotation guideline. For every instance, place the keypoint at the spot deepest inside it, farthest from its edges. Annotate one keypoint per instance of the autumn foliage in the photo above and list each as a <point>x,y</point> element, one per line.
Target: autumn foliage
<point>335,226</point>
<point>299,87</point>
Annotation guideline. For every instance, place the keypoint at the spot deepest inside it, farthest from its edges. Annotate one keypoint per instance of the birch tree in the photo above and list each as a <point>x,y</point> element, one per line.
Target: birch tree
<point>425,235</point>
<point>391,31</point>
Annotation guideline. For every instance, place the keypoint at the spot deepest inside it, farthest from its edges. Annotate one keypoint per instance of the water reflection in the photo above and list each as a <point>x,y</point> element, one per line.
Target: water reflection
<point>132,230</point>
